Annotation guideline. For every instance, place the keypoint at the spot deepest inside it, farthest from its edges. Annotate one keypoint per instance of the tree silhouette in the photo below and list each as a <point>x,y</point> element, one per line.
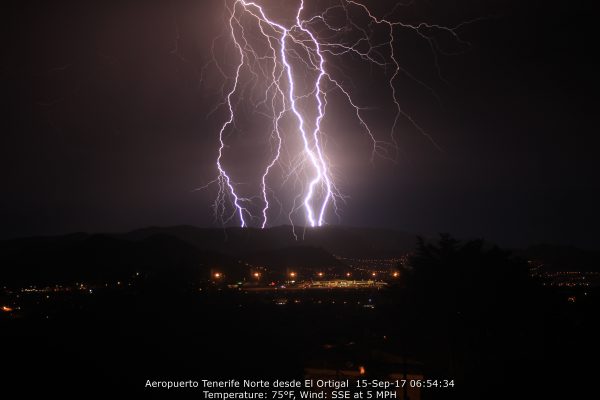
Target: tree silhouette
<point>469,278</point>
<point>474,305</point>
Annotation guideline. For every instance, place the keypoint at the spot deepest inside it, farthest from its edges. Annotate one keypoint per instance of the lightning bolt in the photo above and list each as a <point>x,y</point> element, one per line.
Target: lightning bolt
<point>280,57</point>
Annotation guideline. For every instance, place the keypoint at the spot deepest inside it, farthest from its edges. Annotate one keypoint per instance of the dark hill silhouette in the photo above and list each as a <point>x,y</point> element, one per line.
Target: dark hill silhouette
<point>563,258</point>
<point>188,253</point>
<point>295,257</point>
<point>101,258</point>
<point>337,240</point>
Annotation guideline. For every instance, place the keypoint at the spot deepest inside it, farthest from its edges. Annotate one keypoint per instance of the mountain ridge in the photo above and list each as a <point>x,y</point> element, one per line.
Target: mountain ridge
<point>340,241</point>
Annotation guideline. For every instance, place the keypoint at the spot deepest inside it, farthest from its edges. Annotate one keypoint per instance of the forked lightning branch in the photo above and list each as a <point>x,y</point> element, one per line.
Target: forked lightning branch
<point>294,62</point>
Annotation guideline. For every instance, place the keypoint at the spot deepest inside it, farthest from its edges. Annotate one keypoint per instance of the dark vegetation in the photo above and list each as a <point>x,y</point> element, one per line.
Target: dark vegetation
<point>481,316</point>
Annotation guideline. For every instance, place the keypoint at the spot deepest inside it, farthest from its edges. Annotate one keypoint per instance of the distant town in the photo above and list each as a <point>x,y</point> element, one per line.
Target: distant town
<point>291,286</point>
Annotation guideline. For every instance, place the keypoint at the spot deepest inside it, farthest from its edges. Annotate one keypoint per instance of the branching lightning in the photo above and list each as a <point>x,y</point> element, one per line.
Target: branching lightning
<point>278,58</point>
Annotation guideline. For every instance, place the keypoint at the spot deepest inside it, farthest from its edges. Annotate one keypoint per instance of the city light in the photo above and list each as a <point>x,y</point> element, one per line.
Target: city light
<point>320,274</point>
<point>256,275</point>
<point>293,274</point>
<point>348,274</point>
<point>6,309</point>
<point>395,274</point>
<point>217,275</point>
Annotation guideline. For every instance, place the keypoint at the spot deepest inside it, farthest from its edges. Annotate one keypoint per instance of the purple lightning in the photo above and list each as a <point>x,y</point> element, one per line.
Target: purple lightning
<point>296,50</point>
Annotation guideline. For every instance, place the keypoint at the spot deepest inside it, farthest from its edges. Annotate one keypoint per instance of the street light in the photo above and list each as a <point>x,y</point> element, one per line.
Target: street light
<point>256,275</point>
<point>217,275</point>
<point>292,274</point>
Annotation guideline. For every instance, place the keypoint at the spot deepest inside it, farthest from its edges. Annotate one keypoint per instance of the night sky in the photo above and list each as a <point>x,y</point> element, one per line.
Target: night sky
<point>105,123</point>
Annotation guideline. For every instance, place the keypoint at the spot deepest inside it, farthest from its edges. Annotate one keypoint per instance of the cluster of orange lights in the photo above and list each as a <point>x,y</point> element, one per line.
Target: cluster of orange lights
<point>6,309</point>
<point>294,275</point>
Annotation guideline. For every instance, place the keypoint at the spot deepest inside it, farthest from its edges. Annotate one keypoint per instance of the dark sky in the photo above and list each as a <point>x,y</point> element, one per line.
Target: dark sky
<point>105,128</point>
